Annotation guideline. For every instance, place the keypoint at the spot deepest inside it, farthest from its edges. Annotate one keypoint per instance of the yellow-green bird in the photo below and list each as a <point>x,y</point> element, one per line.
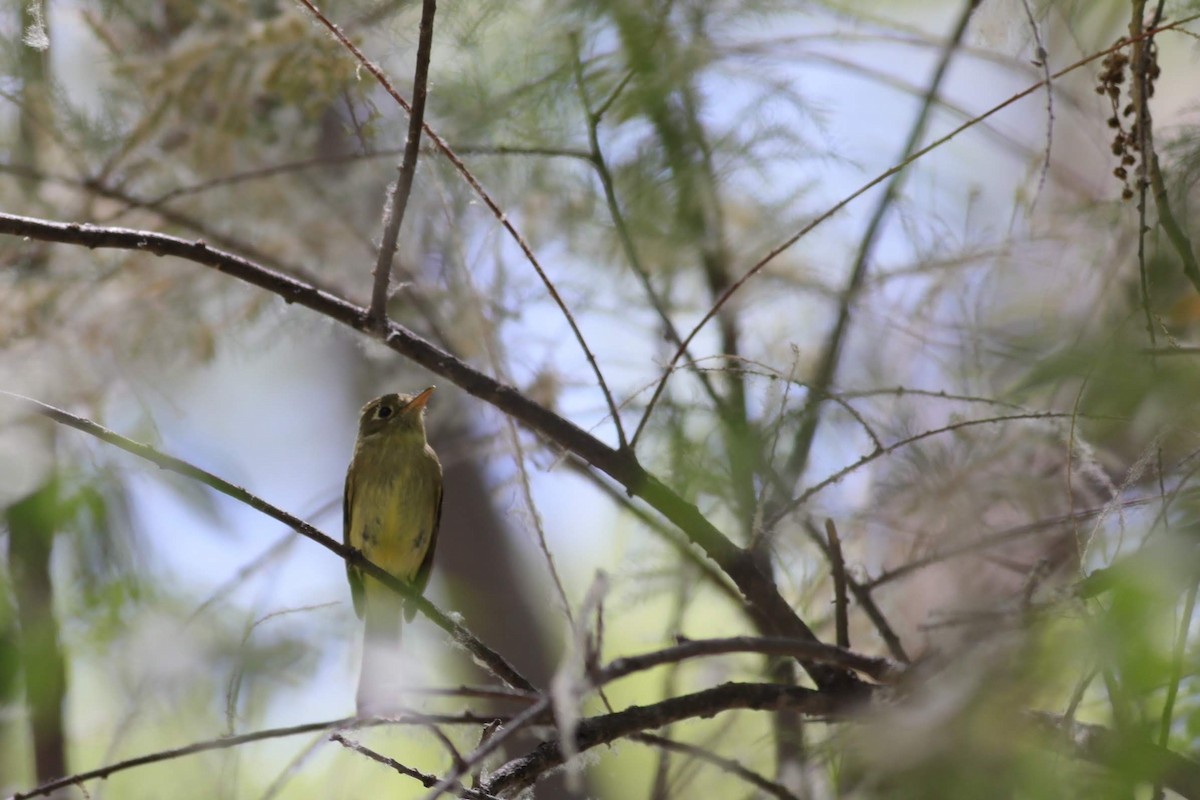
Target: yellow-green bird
<point>393,505</point>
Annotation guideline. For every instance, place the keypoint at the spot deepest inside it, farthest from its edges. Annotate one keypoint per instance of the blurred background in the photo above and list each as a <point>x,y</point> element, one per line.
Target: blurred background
<point>978,369</point>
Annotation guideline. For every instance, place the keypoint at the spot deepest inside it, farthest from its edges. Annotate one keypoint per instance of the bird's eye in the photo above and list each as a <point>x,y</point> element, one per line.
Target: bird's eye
<point>384,412</point>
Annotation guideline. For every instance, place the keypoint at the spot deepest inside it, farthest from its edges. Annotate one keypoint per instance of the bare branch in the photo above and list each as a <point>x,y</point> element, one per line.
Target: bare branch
<point>422,777</point>
<point>881,669</point>
<point>1000,537</point>
<point>803,497</point>
<point>398,202</point>
<point>632,256</point>
<point>178,219</point>
<point>862,595</point>
<point>732,767</point>
<point>841,603</point>
<point>226,742</point>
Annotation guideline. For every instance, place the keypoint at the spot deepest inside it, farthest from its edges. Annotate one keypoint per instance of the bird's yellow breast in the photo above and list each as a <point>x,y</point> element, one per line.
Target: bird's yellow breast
<point>393,507</point>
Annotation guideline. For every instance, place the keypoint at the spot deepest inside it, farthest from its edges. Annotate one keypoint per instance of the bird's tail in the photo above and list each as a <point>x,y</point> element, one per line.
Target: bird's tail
<point>378,679</point>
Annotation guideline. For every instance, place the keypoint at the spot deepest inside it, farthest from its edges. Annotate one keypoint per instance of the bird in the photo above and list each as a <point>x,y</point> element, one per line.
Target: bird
<point>392,510</point>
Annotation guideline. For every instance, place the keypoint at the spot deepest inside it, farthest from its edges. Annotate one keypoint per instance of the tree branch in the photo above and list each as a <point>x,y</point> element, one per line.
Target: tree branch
<point>398,202</point>
<point>881,669</point>
<point>841,603</point>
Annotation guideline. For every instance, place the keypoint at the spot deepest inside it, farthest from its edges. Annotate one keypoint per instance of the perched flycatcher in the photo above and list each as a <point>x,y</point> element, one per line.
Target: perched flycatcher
<point>393,505</point>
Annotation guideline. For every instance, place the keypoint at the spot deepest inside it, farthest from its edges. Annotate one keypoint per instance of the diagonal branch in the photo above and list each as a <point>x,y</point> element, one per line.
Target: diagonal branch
<point>728,765</point>
<point>408,772</point>
<point>227,742</point>
<point>494,661</point>
<point>802,498</point>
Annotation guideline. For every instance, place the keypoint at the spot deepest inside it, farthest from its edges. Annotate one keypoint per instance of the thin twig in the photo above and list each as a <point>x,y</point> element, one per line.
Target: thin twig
<point>881,669</point>
<point>683,590</point>
<point>680,543</point>
<point>494,661</point>
<point>292,767</point>
<point>804,496</point>
<point>862,596</point>
<point>728,765</point>
<point>1000,537</point>
<point>398,203</point>
<point>1064,175</point>
<point>1042,60</point>
<point>234,687</point>
<point>424,778</point>
<point>841,603</point>
<point>539,529</point>
<point>299,165</point>
<point>226,742</point>
<point>281,546</point>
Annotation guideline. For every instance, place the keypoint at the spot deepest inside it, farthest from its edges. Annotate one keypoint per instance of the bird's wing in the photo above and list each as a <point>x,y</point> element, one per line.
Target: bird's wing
<point>422,577</point>
<point>352,572</point>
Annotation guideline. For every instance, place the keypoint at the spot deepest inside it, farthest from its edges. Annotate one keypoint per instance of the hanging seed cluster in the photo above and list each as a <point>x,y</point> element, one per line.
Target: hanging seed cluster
<point>1126,143</point>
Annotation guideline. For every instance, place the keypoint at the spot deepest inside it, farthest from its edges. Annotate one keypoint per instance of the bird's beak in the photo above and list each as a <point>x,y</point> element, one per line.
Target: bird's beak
<point>418,402</point>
